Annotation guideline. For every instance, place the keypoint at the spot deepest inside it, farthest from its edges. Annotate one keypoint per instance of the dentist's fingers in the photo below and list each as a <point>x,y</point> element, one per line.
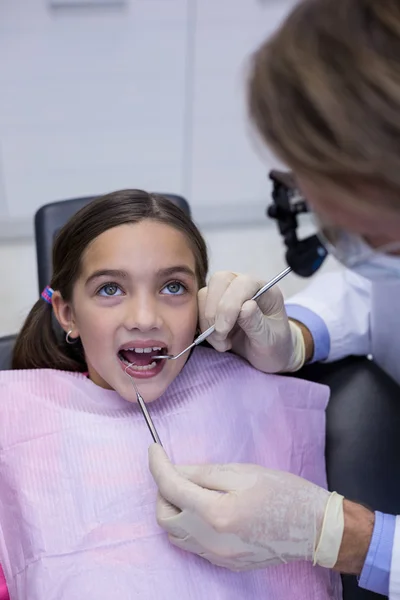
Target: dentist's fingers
<point>230,305</point>
<point>174,487</point>
<point>187,543</point>
<point>221,478</point>
<point>221,303</point>
<point>216,289</point>
<point>208,299</point>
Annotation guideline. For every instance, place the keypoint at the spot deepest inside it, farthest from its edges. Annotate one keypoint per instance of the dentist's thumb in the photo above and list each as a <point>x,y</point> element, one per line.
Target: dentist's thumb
<point>173,486</point>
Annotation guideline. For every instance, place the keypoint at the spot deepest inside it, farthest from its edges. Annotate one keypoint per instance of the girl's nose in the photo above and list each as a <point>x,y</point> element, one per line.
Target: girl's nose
<point>143,313</point>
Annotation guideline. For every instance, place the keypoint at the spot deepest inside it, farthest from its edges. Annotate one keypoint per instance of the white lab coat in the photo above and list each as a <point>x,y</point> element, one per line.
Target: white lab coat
<point>362,318</point>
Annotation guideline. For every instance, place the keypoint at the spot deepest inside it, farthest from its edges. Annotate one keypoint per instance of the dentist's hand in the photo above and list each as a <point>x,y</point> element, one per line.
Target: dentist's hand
<point>257,330</point>
<point>261,518</point>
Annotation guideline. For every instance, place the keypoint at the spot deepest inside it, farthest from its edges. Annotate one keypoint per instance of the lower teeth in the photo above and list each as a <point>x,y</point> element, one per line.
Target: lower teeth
<point>138,367</point>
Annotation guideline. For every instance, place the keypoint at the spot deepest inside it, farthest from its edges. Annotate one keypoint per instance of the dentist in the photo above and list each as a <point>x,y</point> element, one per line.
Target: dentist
<point>324,94</point>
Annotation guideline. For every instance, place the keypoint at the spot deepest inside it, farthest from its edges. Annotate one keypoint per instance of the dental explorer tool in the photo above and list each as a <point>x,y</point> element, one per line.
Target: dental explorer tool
<point>211,329</point>
<point>145,412</point>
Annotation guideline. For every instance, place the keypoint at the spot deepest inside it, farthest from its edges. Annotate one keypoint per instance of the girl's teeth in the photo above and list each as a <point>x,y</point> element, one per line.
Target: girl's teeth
<point>139,367</point>
<point>144,367</point>
<point>145,350</point>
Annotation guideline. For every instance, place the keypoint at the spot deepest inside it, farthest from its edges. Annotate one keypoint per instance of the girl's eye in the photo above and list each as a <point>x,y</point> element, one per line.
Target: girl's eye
<point>109,290</point>
<point>175,288</point>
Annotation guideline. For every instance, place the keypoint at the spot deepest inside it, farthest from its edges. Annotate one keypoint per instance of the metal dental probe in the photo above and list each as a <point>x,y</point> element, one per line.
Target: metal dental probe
<point>145,412</point>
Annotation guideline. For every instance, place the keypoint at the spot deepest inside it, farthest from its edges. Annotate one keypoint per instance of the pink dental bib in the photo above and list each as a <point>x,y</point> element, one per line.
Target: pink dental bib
<point>77,502</point>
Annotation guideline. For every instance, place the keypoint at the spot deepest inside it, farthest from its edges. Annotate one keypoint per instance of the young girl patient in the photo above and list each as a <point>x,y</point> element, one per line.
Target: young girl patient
<point>77,503</point>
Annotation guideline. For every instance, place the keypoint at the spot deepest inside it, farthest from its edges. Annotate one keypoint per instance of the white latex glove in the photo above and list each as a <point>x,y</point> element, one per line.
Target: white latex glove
<point>261,518</point>
<point>257,330</point>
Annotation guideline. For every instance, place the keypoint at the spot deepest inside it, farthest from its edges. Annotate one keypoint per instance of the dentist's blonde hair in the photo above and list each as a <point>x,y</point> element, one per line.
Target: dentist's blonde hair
<point>324,91</point>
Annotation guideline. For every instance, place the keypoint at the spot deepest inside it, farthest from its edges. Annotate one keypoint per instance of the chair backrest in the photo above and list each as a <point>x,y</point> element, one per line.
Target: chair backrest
<point>51,217</point>
<point>6,347</point>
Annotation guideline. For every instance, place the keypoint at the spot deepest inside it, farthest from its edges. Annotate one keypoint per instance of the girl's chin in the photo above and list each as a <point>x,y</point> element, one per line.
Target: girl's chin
<point>149,392</point>
<point>128,393</point>
<point>149,388</point>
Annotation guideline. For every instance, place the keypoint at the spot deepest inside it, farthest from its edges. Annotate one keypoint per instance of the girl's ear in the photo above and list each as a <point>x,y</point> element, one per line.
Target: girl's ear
<point>64,314</point>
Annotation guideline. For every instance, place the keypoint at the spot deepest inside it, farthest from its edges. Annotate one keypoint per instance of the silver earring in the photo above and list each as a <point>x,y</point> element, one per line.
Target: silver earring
<point>68,339</point>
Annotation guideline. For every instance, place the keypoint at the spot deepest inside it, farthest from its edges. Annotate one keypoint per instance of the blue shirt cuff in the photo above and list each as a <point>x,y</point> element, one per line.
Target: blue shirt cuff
<point>317,328</point>
<point>375,575</point>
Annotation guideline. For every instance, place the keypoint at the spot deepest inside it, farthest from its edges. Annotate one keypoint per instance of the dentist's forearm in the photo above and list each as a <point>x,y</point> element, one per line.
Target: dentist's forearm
<point>367,547</point>
<point>308,340</point>
<point>358,528</point>
<point>315,332</point>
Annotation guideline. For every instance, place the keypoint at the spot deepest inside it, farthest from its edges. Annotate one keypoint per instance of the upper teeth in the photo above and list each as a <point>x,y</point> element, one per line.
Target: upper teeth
<point>141,350</point>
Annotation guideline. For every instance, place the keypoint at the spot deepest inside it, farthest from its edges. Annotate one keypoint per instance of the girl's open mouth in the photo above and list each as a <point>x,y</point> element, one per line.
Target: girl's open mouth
<point>141,361</point>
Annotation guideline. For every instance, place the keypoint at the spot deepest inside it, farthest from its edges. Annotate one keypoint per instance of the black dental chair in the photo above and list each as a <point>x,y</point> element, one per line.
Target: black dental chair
<point>6,347</point>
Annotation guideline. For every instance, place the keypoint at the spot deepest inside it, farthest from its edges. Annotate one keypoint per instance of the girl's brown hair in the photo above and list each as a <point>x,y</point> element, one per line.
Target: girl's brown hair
<point>38,345</point>
<point>324,91</point>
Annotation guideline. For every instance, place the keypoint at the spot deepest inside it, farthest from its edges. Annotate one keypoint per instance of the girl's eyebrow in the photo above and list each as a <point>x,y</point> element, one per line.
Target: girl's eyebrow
<point>106,273</point>
<point>167,272</point>
<point>176,270</point>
